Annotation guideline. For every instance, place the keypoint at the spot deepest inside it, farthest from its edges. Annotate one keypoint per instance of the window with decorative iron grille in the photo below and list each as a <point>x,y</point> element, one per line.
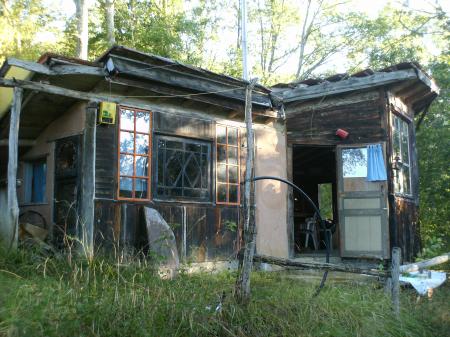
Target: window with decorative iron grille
<point>183,169</point>
<point>227,169</point>
<point>134,153</point>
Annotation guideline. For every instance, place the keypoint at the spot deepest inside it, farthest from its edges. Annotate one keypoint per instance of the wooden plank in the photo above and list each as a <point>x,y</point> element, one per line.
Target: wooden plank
<point>21,142</point>
<point>313,265</point>
<point>353,83</point>
<point>396,260</point>
<point>407,268</point>
<point>66,69</point>
<point>166,90</point>
<point>86,96</point>
<point>13,204</point>
<point>88,180</point>
<point>55,90</point>
<point>186,80</point>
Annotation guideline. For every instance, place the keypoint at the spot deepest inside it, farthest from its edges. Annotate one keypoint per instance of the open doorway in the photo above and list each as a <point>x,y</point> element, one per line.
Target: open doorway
<point>314,171</point>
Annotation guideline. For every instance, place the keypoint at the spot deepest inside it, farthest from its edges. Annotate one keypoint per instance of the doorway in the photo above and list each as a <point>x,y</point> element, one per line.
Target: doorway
<point>314,171</point>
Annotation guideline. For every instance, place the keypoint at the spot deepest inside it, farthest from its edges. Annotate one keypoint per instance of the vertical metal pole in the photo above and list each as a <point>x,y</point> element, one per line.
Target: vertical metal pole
<point>245,74</point>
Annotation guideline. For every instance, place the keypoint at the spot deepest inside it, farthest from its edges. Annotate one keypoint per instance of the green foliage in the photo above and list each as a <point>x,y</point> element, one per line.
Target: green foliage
<point>24,27</point>
<point>433,145</point>
<point>43,296</point>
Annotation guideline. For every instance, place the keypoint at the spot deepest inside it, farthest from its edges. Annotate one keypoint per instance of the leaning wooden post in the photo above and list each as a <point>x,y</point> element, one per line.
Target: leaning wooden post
<point>242,292</point>
<point>12,226</point>
<point>88,181</point>
<point>396,260</point>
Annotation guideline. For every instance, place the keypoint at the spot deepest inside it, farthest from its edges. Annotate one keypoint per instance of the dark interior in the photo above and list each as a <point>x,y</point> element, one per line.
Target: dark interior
<point>314,166</point>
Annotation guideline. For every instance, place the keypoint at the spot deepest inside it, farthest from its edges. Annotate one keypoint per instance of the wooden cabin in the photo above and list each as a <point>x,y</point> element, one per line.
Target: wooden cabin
<point>96,142</point>
<point>330,125</point>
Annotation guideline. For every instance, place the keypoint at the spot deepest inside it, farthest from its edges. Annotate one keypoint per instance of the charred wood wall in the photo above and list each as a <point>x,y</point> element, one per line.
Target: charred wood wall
<point>316,122</point>
<point>204,231</point>
<point>405,228</point>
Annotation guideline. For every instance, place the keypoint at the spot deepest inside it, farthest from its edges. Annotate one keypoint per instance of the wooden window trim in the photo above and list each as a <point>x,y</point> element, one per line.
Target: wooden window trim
<point>134,154</point>
<point>238,165</point>
<point>403,119</point>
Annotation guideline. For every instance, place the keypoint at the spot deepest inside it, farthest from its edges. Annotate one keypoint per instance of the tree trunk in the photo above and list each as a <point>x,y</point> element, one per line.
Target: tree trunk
<point>242,290</point>
<point>82,28</point>
<point>13,152</point>
<point>109,12</point>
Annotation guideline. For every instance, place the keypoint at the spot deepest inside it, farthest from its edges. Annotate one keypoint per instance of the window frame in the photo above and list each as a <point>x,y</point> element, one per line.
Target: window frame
<point>134,177</point>
<point>227,165</point>
<point>184,140</point>
<point>398,166</point>
<point>29,179</point>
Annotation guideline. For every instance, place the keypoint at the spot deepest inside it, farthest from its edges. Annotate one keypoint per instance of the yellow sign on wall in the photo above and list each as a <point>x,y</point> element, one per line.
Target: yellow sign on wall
<point>107,113</point>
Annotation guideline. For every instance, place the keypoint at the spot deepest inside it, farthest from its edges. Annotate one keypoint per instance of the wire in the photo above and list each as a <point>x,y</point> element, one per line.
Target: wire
<point>322,222</point>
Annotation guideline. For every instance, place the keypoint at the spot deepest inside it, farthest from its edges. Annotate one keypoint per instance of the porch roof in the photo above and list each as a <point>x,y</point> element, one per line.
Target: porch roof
<point>406,80</point>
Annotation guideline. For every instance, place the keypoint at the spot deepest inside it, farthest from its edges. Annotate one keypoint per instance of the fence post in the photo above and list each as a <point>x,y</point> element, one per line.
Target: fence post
<point>396,260</point>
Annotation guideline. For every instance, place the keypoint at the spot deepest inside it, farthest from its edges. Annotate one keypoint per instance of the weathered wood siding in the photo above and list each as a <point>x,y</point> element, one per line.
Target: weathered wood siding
<point>404,210</point>
<point>406,228</point>
<point>106,162</point>
<point>315,122</point>
<point>203,233</point>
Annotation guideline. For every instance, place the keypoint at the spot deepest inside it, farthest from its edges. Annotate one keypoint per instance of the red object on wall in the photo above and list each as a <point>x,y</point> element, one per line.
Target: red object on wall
<point>341,133</point>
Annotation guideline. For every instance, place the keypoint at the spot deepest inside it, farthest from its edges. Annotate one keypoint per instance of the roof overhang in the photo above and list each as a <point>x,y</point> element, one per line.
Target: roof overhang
<point>408,82</point>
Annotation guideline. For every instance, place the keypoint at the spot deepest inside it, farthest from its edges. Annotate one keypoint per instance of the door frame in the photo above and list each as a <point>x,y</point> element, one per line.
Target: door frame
<point>383,211</point>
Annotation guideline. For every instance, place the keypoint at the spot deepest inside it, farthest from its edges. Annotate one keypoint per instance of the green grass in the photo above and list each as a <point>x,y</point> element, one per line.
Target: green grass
<point>50,297</point>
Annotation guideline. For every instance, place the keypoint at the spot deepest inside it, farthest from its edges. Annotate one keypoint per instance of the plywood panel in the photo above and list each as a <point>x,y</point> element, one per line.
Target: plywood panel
<point>363,233</point>
<point>360,203</point>
<point>359,184</point>
<point>270,196</point>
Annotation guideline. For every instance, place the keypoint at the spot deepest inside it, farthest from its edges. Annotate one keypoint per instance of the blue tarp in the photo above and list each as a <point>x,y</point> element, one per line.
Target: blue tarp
<point>376,170</point>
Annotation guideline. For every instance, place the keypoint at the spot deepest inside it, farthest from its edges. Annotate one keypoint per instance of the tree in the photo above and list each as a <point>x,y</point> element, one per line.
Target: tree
<point>25,29</point>
<point>110,28</point>
<point>82,29</point>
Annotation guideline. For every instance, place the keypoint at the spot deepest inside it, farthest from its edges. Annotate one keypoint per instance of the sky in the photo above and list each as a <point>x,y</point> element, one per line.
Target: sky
<point>219,47</point>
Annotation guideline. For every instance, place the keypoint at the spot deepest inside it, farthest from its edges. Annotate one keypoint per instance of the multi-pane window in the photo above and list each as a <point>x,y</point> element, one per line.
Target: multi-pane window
<point>400,144</point>
<point>35,181</point>
<point>183,169</point>
<point>134,153</point>
<point>227,169</point>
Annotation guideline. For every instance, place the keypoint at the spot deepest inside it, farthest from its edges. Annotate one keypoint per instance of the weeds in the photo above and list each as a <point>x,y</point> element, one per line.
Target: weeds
<point>47,296</point>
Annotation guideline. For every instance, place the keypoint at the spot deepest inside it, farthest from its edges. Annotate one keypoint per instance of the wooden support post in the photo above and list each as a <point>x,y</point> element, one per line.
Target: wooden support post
<point>246,261</point>
<point>396,260</point>
<point>11,225</point>
<point>86,230</point>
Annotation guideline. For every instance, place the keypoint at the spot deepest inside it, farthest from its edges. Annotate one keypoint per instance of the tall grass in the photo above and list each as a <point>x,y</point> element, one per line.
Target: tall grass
<point>42,296</point>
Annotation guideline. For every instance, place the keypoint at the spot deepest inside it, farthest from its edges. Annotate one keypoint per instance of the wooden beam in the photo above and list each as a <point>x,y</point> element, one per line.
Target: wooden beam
<point>165,90</point>
<point>66,69</point>
<point>312,265</point>
<point>13,152</point>
<point>55,90</point>
<point>187,80</point>
<point>86,96</point>
<point>407,268</point>
<point>88,180</point>
<point>21,142</point>
<point>353,83</point>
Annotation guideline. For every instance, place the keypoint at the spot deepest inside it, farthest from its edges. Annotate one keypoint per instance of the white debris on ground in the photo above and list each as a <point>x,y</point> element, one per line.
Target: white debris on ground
<point>424,281</point>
